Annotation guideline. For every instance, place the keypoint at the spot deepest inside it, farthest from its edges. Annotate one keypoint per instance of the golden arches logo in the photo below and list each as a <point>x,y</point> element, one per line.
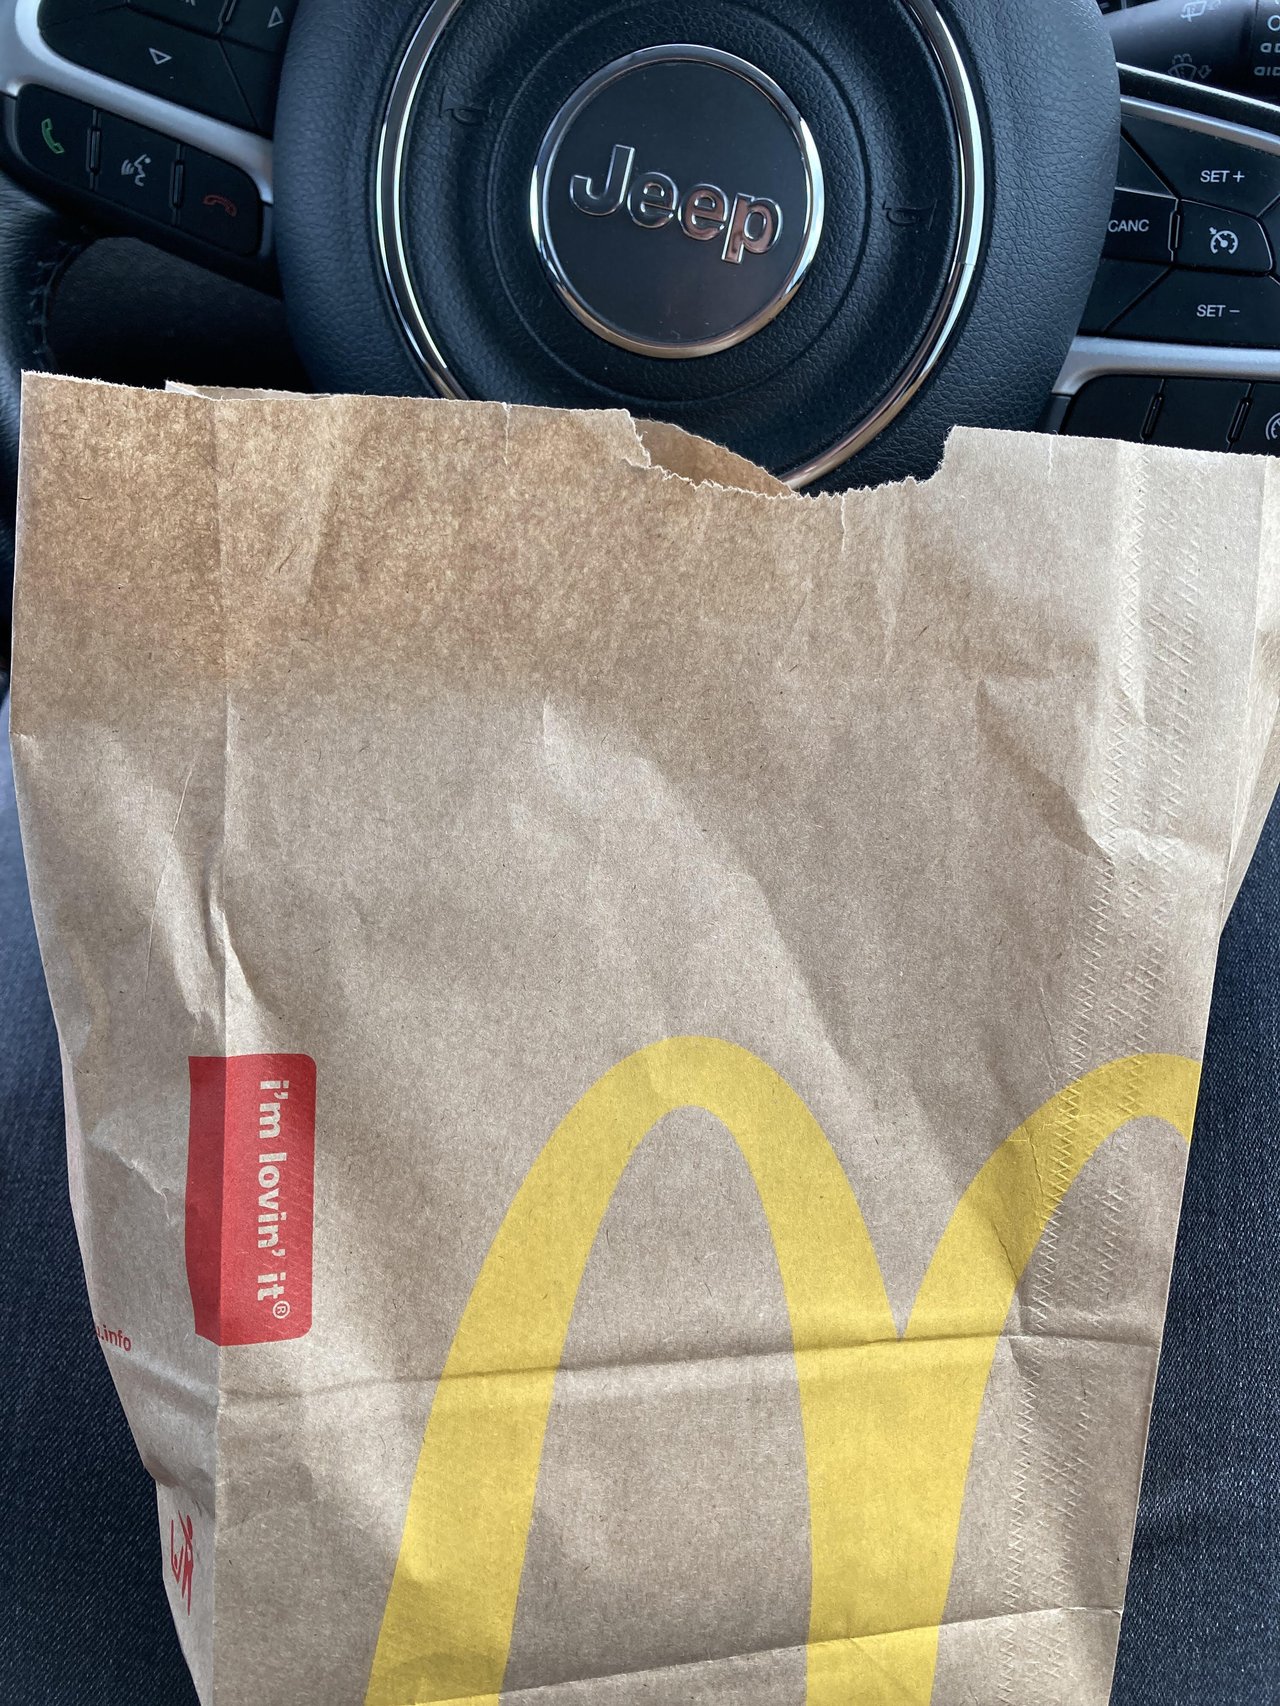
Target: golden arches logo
<point>889,1421</point>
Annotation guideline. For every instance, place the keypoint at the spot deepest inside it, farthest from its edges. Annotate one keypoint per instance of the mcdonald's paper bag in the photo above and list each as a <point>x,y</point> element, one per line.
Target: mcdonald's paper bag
<point>630,1036</point>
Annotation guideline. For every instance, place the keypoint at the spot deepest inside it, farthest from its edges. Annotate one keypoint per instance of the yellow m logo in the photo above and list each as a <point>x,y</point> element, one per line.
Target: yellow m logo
<point>889,1421</point>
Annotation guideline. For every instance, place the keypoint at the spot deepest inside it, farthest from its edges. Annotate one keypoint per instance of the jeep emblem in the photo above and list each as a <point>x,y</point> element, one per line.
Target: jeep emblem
<point>749,224</point>
<point>728,258</point>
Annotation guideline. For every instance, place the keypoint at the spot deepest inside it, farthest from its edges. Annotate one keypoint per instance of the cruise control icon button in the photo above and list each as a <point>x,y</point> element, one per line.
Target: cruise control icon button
<point>1219,240</point>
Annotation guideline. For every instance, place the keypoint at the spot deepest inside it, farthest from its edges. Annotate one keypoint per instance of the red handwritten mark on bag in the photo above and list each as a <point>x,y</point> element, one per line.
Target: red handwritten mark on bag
<point>250,1196</point>
<point>182,1559</point>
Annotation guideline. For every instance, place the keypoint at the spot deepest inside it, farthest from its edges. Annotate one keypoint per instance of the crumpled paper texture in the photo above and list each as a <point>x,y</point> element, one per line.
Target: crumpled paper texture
<point>469,750</point>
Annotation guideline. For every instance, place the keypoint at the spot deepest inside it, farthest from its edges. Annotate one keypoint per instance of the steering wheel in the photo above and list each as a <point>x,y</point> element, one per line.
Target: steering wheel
<point>818,233</point>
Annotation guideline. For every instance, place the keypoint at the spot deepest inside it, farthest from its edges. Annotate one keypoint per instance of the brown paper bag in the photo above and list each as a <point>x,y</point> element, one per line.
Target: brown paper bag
<point>631,1037</point>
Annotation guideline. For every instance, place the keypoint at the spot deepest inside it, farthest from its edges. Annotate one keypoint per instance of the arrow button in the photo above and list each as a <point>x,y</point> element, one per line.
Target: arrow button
<point>263,24</point>
<point>147,53</point>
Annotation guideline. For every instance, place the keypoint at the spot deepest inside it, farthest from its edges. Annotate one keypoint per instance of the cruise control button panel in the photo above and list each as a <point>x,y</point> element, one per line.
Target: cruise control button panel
<point>218,57</point>
<point>155,179</point>
<point>1191,250</point>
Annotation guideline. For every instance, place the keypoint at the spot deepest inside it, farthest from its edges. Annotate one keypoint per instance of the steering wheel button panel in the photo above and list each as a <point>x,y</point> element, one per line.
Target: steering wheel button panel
<point>55,135</point>
<point>147,53</point>
<point>1199,414</point>
<point>1222,241</point>
<point>1193,308</point>
<point>1141,227</point>
<point>1204,167</point>
<point>154,178</point>
<point>219,204</point>
<point>1260,433</point>
<point>135,168</point>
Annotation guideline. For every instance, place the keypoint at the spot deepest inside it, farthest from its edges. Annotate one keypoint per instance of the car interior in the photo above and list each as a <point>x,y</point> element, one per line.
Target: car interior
<point>1054,216</point>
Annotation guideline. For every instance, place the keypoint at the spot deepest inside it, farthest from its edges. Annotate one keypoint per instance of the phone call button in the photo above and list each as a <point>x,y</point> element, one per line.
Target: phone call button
<point>53,135</point>
<point>219,204</point>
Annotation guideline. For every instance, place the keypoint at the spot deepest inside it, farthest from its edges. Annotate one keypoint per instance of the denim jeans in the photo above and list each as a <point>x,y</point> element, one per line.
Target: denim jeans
<point>83,1616</point>
<point>1202,1617</point>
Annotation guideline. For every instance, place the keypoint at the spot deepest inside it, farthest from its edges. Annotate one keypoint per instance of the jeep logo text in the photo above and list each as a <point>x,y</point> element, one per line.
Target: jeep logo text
<point>749,225</point>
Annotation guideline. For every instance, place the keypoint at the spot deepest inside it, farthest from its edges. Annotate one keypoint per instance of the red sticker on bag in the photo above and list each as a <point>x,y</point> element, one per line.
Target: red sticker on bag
<point>250,1196</point>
